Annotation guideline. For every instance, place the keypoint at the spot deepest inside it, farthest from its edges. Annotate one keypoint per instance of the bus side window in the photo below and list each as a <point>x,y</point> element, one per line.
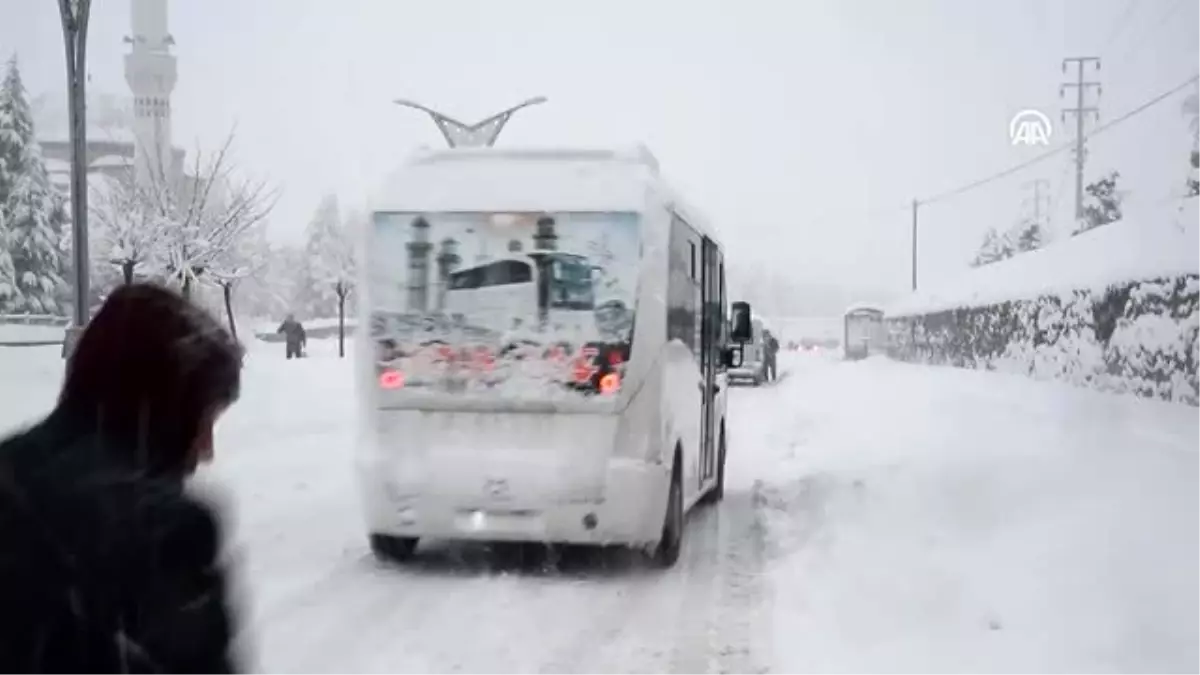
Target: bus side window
<point>722,310</point>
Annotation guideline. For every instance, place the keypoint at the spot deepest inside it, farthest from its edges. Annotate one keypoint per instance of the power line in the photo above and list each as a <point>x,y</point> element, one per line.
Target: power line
<point>1162,21</point>
<point>1121,22</point>
<point>1062,148</point>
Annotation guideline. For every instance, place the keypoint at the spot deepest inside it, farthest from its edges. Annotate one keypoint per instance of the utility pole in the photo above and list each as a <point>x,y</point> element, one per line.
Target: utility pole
<point>1079,111</point>
<point>1037,185</point>
<point>74,14</point>
<point>915,203</point>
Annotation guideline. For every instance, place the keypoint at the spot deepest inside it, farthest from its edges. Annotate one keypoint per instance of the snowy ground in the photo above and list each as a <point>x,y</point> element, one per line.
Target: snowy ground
<point>880,517</point>
<point>21,333</point>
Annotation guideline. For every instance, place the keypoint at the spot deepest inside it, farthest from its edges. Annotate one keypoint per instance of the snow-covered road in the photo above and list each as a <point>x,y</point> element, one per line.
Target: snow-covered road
<point>879,517</point>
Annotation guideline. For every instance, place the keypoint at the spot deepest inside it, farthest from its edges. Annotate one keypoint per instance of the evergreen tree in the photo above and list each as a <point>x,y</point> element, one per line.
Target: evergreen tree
<point>996,246</point>
<point>8,282</point>
<point>33,209</point>
<point>319,297</point>
<point>1029,236</point>
<point>1103,205</point>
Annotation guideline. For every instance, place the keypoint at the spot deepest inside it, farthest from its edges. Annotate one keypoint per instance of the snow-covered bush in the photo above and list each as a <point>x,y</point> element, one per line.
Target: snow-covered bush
<point>1137,337</point>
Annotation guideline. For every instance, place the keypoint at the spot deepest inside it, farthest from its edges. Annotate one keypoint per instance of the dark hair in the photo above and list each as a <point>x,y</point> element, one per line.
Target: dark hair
<point>146,372</point>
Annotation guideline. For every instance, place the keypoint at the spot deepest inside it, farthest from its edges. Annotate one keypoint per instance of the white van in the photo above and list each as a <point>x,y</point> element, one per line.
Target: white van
<point>753,367</point>
<point>546,359</point>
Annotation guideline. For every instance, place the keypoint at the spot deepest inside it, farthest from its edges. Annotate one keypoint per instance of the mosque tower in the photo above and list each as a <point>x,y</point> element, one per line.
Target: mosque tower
<point>150,73</point>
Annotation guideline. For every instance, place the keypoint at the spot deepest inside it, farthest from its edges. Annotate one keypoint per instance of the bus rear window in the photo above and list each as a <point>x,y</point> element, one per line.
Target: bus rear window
<point>537,297</point>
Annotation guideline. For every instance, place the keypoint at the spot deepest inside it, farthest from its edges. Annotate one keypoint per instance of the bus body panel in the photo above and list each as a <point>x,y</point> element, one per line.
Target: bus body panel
<point>532,474</point>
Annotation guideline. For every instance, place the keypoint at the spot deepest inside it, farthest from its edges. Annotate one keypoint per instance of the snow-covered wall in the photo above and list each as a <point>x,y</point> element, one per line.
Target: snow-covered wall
<point>1115,308</point>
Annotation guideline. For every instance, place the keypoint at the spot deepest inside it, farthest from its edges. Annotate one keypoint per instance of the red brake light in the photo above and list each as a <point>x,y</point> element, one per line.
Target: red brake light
<point>610,383</point>
<point>391,379</point>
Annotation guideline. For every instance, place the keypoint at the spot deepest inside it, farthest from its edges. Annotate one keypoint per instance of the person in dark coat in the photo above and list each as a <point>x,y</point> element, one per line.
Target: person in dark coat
<point>293,333</point>
<point>107,565</point>
<point>771,347</point>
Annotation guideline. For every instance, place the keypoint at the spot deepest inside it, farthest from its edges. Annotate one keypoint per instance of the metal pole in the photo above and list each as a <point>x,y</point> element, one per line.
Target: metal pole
<point>914,244</point>
<point>1079,110</point>
<point>74,23</point>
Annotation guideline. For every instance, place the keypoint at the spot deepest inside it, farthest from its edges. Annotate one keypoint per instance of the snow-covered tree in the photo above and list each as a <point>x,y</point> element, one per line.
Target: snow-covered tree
<point>331,260</point>
<point>996,246</point>
<point>8,282</point>
<point>1029,236</point>
<point>281,282</point>
<point>208,213</point>
<point>244,259</point>
<point>1103,204</point>
<point>339,267</point>
<point>128,229</point>
<point>317,295</point>
<point>33,211</point>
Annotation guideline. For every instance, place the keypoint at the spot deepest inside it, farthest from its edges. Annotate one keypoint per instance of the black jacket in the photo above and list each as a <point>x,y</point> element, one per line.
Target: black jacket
<point>102,569</point>
<point>293,332</point>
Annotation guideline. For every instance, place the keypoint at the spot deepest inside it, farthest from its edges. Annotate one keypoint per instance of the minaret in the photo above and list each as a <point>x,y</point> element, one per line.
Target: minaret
<point>150,73</point>
<point>419,249</point>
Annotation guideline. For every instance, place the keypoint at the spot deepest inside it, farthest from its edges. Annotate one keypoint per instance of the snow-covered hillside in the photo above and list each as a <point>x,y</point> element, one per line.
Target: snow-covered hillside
<point>1161,241</point>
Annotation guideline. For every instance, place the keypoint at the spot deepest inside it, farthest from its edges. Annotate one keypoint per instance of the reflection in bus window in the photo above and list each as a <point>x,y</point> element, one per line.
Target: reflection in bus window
<point>494,274</point>
<point>571,283</point>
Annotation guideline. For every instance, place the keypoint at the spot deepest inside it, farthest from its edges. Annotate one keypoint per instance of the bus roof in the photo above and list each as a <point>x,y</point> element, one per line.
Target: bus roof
<point>863,308</point>
<point>531,180</point>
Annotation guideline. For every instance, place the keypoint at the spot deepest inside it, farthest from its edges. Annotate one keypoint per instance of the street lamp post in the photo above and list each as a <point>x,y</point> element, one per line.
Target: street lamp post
<point>74,23</point>
<point>481,134</point>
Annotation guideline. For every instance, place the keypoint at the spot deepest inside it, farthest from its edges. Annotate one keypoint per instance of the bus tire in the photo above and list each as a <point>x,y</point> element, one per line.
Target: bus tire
<point>717,492</point>
<point>389,548</point>
<point>666,554</point>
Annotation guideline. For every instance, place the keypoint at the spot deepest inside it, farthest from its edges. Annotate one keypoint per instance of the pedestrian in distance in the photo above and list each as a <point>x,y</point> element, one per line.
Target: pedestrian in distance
<point>108,565</point>
<point>294,336</point>
<point>772,351</point>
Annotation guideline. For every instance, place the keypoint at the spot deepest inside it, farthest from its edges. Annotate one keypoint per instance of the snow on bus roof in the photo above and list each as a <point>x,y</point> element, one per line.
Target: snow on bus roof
<point>1158,242</point>
<point>863,306</point>
<point>529,180</point>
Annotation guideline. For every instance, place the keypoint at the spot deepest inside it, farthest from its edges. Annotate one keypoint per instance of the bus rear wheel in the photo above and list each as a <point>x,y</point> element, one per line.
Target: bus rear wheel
<point>666,554</point>
<point>390,548</point>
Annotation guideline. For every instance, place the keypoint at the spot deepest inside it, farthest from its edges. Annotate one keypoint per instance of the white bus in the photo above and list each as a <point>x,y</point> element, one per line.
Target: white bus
<point>607,435</point>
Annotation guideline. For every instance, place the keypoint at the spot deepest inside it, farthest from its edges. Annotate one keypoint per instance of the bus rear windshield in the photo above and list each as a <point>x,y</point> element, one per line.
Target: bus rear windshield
<point>526,286</point>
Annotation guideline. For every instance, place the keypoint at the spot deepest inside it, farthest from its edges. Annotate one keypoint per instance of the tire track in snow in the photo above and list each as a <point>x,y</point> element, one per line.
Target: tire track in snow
<point>744,600</point>
<point>723,621</point>
<point>601,644</point>
<point>309,631</point>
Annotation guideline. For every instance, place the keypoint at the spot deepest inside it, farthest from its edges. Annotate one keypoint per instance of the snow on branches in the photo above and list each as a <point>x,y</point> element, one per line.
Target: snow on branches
<point>128,231</point>
<point>209,211</point>
<point>330,262</point>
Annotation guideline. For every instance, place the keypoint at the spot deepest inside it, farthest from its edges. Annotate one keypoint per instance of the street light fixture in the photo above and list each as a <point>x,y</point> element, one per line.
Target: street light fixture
<point>74,24</point>
<point>479,135</point>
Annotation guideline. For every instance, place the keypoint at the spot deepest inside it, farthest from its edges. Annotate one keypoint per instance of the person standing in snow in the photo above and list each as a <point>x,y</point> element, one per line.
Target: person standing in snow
<point>293,333</point>
<point>108,565</point>
<point>771,349</point>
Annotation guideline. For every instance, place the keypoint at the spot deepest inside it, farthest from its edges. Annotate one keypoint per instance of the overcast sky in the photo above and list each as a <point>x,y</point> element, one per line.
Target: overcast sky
<point>803,128</point>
